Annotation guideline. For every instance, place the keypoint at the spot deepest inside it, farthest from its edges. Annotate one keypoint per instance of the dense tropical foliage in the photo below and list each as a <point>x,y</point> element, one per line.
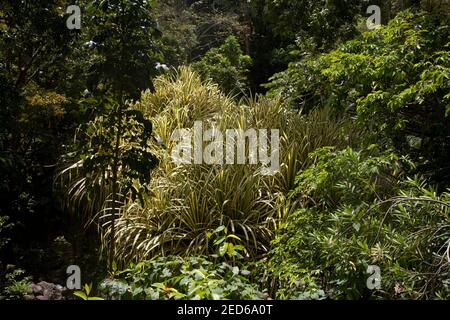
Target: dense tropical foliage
<point>90,118</point>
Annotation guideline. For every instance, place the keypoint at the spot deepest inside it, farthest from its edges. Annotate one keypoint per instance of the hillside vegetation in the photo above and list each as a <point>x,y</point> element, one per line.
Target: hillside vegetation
<point>351,202</point>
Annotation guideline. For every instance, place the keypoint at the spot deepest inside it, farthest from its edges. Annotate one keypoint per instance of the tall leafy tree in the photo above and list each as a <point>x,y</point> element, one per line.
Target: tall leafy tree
<point>34,40</point>
<point>114,146</point>
<point>34,44</point>
<point>395,79</point>
<point>122,36</point>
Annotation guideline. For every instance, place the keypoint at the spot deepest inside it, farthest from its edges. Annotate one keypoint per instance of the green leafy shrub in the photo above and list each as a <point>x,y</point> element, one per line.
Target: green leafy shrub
<point>226,66</point>
<point>226,243</point>
<point>16,285</point>
<point>346,176</point>
<point>350,221</point>
<point>395,79</point>
<point>173,277</point>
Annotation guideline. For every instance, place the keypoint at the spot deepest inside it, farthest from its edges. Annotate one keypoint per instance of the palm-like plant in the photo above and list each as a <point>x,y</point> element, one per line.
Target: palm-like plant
<point>187,201</point>
<point>113,163</point>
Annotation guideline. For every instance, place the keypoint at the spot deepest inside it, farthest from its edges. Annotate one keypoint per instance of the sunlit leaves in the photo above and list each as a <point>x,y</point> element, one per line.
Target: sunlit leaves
<point>174,278</point>
<point>351,220</point>
<point>227,66</point>
<point>395,80</point>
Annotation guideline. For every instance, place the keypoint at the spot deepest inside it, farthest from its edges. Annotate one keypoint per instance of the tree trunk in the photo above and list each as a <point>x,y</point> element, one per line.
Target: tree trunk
<point>115,170</point>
